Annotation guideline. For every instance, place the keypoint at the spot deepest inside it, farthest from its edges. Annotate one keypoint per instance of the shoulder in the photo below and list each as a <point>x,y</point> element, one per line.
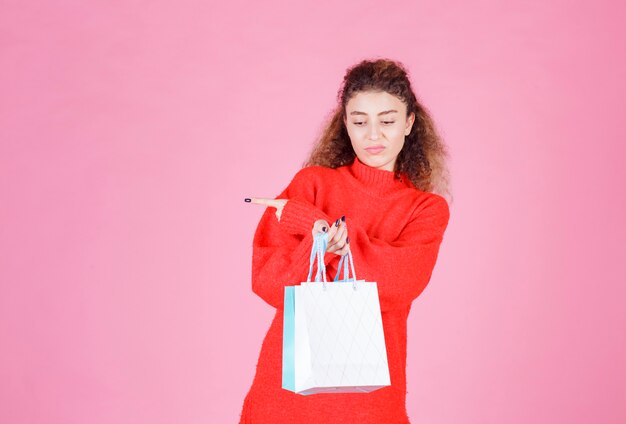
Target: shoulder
<point>313,175</point>
<point>307,181</point>
<point>431,206</point>
<point>314,171</point>
<point>439,202</point>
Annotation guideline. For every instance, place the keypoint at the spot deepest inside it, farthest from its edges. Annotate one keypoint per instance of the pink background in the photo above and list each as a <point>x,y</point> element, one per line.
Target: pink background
<point>131,132</point>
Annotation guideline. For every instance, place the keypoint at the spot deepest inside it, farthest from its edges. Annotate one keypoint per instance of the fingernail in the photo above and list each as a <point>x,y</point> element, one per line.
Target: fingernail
<point>247,200</point>
<point>324,229</point>
<point>348,240</point>
<point>337,223</point>
<point>343,218</point>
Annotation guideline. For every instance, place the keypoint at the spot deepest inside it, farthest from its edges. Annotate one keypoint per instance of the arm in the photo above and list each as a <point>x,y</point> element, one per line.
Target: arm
<point>401,268</point>
<point>281,249</point>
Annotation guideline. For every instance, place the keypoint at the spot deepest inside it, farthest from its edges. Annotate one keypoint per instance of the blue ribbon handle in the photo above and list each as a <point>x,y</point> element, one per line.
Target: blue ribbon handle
<point>320,243</point>
<point>346,272</point>
<point>345,269</point>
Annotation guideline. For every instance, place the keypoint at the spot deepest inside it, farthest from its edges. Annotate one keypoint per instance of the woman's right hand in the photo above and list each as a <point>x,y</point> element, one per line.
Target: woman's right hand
<point>279,204</point>
<point>338,240</point>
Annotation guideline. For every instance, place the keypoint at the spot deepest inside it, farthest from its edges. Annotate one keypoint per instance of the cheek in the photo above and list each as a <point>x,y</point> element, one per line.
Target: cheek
<point>397,139</point>
<point>395,133</point>
<point>357,132</point>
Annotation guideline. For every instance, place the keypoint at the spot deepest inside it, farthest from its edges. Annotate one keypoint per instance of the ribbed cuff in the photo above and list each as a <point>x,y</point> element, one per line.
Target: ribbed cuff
<point>298,217</point>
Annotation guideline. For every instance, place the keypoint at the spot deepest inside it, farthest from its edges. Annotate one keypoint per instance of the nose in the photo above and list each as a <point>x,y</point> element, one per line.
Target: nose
<point>373,132</point>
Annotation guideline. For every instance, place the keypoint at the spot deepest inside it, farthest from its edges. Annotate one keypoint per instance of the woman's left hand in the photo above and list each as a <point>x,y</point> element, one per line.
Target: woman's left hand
<point>338,240</point>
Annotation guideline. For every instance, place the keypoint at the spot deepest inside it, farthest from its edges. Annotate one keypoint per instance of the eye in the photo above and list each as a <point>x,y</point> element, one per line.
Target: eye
<point>358,123</point>
<point>388,122</point>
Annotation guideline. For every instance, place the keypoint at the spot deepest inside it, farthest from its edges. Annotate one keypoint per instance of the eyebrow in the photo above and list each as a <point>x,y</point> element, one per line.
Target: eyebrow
<point>356,112</point>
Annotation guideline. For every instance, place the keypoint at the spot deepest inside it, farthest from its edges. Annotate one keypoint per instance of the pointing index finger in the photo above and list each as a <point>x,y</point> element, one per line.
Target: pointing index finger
<point>267,202</point>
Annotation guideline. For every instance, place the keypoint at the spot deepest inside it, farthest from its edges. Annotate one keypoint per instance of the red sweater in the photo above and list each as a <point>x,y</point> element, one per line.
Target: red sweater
<point>395,232</point>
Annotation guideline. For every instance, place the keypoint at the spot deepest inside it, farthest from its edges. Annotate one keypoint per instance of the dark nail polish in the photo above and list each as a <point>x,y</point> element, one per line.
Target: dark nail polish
<point>247,200</point>
<point>347,240</point>
<point>337,223</point>
<point>343,218</point>
<point>324,229</point>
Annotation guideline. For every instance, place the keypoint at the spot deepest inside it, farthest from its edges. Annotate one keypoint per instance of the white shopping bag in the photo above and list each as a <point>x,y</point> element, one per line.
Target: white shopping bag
<point>333,339</point>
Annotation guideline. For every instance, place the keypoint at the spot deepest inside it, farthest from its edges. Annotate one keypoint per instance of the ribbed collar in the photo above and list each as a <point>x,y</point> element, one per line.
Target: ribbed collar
<point>374,180</point>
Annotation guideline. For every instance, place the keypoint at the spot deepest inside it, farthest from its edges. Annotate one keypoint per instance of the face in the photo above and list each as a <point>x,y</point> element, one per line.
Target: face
<point>377,124</point>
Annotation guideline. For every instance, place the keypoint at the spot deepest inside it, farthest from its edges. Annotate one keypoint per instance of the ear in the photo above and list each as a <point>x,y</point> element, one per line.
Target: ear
<point>409,123</point>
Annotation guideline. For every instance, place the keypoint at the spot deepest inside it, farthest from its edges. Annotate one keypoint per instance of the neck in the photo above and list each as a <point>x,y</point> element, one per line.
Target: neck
<point>375,180</point>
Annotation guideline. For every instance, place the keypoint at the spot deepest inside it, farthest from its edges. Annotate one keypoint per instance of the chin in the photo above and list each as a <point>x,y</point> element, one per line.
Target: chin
<point>375,161</point>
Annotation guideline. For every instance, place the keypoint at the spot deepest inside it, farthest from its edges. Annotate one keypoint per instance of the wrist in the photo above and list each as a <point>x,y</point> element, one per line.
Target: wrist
<point>298,216</point>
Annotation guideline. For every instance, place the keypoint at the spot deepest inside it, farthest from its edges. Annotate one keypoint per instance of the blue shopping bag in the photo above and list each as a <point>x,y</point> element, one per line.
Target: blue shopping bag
<point>320,242</point>
<point>333,338</point>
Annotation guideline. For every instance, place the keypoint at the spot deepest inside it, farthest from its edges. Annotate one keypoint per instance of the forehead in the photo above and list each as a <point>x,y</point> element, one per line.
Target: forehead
<point>372,102</point>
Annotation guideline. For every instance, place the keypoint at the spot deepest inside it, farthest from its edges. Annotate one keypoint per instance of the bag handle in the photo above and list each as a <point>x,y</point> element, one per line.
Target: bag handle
<point>320,243</point>
<point>346,272</point>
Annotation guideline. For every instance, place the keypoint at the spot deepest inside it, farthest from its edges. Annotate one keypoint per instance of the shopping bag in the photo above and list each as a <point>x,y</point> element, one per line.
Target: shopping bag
<point>333,338</point>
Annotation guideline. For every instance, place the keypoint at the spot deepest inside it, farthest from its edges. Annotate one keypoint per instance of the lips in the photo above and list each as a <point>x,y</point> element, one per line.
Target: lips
<point>375,149</point>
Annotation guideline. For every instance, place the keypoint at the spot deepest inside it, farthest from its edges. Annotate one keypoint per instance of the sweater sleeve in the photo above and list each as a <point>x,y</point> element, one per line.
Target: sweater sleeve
<point>301,211</point>
<point>281,249</point>
<point>401,268</point>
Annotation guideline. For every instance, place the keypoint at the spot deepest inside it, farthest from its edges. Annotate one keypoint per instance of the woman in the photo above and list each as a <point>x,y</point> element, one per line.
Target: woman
<point>371,184</point>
